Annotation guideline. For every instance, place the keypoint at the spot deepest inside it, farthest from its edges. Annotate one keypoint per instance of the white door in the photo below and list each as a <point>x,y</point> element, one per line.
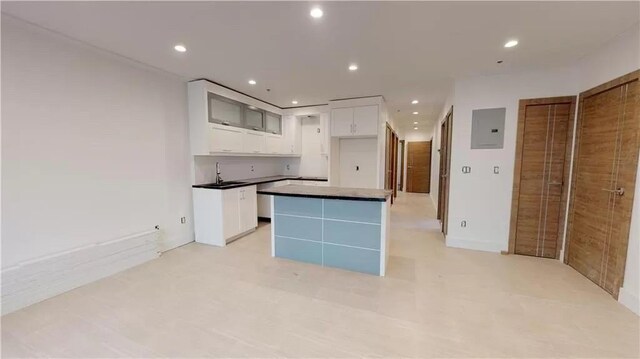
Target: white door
<point>230,213</point>
<point>248,208</point>
<point>342,122</point>
<point>358,164</point>
<point>225,139</point>
<point>365,120</point>
<point>253,142</point>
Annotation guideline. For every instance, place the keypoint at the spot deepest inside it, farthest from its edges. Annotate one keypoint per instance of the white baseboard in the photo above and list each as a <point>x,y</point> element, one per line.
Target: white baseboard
<point>35,280</point>
<point>466,243</point>
<point>629,300</point>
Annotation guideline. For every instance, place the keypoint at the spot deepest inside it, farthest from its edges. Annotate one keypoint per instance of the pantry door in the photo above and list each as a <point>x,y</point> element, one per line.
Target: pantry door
<point>605,168</point>
<point>545,132</point>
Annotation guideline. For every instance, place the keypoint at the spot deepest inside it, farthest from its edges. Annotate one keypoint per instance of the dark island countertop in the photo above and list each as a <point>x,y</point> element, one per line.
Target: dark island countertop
<point>357,194</point>
<point>258,180</point>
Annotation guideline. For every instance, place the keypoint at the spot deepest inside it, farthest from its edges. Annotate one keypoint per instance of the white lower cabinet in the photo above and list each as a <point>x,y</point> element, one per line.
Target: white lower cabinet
<point>223,215</point>
<point>225,139</point>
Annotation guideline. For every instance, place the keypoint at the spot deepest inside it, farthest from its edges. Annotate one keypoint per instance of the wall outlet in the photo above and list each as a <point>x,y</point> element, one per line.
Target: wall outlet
<point>463,224</point>
<point>251,168</point>
<point>466,169</point>
<point>288,167</point>
<point>183,220</point>
<point>496,170</point>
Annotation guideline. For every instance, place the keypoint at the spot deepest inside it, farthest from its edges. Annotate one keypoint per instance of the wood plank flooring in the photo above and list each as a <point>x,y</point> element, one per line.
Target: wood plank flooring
<point>202,301</point>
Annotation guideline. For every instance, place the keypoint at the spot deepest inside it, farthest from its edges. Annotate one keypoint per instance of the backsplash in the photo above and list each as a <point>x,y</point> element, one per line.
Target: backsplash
<point>237,168</point>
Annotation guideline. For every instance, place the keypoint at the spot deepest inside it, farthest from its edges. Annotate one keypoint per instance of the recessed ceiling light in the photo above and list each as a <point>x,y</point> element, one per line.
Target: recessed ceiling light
<point>353,67</point>
<point>316,13</point>
<point>252,82</point>
<point>294,102</point>
<point>511,43</point>
<point>414,102</point>
<point>415,128</point>
<point>415,112</point>
<point>415,123</point>
<point>180,48</point>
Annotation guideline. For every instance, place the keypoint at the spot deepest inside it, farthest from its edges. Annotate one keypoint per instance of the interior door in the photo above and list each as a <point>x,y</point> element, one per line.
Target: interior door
<point>539,195</point>
<point>419,166</point>
<point>445,167</point>
<point>605,168</point>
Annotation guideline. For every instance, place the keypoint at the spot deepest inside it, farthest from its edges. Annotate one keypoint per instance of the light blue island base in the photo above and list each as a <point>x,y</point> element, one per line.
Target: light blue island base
<point>347,234</point>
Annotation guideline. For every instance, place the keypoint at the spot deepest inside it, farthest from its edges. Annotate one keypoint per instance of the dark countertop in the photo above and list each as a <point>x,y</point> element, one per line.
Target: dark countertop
<point>358,194</point>
<point>259,180</point>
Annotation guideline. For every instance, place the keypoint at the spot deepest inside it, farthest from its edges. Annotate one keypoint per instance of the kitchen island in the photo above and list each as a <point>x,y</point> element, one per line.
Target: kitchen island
<point>338,227</point>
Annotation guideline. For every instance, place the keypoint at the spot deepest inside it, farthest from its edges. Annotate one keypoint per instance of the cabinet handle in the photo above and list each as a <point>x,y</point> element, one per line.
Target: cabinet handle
<point>226,150</point>
<point>225,123</point>
<point>351,127</point>
<point>355,127</point>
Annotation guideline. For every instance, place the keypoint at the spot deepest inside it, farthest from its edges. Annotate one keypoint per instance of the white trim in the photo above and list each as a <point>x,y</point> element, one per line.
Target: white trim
<point>465,243</point>
<point>629,300</point>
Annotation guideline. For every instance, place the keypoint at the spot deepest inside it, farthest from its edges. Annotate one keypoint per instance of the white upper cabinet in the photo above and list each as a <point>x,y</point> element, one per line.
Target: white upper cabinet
<point>365,120</point>
<point>253,142</point>
<point>356,121</point>
<point>292,133</point>
<point>342,122</point>
<point>225,139</point>
<point>222,121</point>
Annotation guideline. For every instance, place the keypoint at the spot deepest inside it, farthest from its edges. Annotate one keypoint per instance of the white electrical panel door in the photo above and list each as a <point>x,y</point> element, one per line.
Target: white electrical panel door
<point>358,162</point>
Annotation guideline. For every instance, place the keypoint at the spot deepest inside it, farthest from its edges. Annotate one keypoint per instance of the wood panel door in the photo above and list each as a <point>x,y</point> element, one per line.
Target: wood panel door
<point>541,171</point>
<point>445,168</point>
<point>605,168</point>
<point>419,166</point>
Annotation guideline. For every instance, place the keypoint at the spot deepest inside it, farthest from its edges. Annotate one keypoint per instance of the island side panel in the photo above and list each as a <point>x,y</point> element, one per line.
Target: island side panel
<point>297,229</point>
<point>353,235</point>
<point>385,211</point>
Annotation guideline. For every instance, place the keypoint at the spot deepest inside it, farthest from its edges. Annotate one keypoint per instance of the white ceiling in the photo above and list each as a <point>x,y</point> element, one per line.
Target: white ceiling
<point>405,50</point>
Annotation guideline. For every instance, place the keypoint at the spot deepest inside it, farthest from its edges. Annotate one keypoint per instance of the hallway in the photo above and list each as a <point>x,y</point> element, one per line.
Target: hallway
<point>238,301</point>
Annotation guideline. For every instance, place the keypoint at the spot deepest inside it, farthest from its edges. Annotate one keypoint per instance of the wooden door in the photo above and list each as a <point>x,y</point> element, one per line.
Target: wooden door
<point>604,178</point>
<point>419,166</point>
<point>541,171</point>
<point>445,168</point>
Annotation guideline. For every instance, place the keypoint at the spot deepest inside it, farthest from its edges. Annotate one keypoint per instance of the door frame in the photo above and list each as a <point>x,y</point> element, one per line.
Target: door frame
<point>430,148</point>
<point>401,182</point>
<point>443,196</point>
<point>622,255</point>
<point>515,197</point>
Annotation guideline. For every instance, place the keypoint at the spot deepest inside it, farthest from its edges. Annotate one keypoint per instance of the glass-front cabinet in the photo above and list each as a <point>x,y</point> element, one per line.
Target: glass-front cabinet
<point>229,112</point>
<point>274,123</point>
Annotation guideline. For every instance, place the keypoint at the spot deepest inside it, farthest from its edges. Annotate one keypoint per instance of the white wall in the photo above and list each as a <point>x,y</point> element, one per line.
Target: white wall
<point>237,168</point>
<point>481,198</point>
<point>484,199</point>
<point>619,57</point>
<point>94,147</point>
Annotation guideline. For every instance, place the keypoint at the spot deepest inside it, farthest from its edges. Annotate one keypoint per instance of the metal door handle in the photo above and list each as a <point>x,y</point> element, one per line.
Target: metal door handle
<point>555,183</point>
<point>619,191</point>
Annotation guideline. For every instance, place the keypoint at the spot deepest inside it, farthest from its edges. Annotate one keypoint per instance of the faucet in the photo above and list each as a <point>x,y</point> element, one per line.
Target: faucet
<point>218,178</point>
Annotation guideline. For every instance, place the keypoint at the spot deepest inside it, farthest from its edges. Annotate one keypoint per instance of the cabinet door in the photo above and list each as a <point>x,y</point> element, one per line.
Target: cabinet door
<point>248,208</point>
<point>225,139</point>
<point>253,142</point>
<point>292,135</point>
<point>231,212</point>
<point>365,120</point>
<point>342,122</point>
<point>324,134</point>
<point>274,144</point>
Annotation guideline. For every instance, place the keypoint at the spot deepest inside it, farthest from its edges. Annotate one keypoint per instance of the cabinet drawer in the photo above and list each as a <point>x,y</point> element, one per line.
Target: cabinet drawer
<point>298,227</point>
<point>304,251</point>
<point>359,260</point>
<point>357,211</point>
<point>352,234</point>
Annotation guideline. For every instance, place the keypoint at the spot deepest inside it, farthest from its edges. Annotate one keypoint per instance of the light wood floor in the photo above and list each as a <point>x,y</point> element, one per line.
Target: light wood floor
<point>237,301</point>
